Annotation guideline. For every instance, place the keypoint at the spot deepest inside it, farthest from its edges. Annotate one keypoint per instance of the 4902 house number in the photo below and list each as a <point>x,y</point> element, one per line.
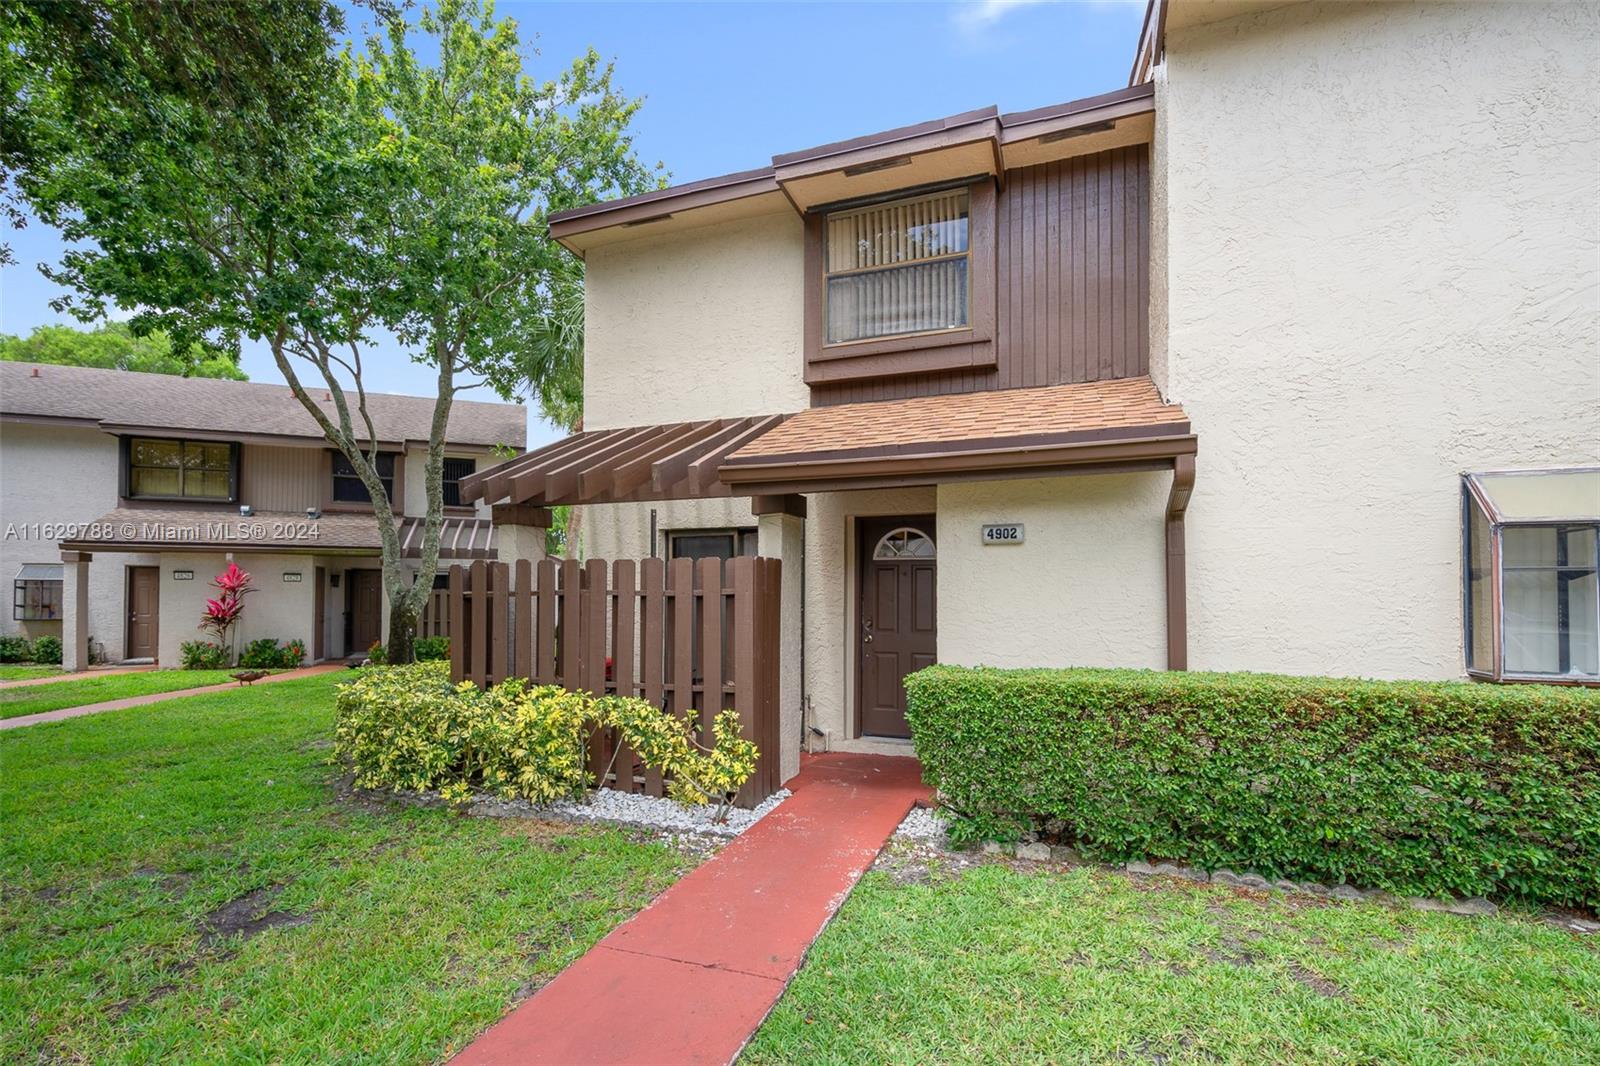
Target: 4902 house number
<point>1003,533</point>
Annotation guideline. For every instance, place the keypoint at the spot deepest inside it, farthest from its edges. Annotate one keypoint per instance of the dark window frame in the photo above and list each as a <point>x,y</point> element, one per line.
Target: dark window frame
<point>742,540</point>
<point>964,348</point>
<point>394,484</point>
<point>20,600</point>
<point>125,469</point>
<point>454,484</point>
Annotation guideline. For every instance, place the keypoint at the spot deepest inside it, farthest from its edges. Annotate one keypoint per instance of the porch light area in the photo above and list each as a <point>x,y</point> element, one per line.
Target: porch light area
<point>1531,575</point>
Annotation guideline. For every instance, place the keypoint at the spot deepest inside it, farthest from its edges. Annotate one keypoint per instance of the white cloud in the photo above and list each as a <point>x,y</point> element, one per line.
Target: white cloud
<point>979,15</point>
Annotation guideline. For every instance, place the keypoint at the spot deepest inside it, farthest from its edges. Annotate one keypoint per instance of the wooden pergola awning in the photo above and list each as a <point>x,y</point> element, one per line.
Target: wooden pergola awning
<point>679,460</point>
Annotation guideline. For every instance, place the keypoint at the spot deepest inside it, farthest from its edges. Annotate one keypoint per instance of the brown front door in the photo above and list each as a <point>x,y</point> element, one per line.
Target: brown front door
<point>144,611</point>
<point>896,615</point>
<point>366,609</point>
<point>319,612</point>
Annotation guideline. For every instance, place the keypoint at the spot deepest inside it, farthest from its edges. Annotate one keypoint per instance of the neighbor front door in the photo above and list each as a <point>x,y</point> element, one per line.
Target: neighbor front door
<point>366,609</point>
<point>319,614</point>
<point>895,617</point>
<point>144,612</point>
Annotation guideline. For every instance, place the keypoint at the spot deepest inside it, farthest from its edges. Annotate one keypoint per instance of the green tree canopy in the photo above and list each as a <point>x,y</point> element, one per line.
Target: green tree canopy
<point>394,198</point>
<point>114,347</point>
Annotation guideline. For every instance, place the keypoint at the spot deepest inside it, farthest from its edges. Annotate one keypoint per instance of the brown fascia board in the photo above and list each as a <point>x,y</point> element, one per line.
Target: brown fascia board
<point>284,440</point>
<point>50,420</point>
<point>1016,455</point>
<point>906,140</point>
<point>1107,107</point>
<point>1151,41</point>
<point>661,203</point>
<point>955,129</point>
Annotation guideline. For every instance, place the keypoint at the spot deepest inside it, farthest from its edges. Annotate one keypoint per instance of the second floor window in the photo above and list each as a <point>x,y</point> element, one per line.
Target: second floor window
<point>898,268</point>
<point>454,471</point>
<point>180,469</point>
<point>348,486</point>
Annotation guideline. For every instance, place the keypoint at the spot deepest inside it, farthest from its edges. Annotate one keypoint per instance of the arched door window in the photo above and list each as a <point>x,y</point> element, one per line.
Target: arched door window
<point>903,543</point>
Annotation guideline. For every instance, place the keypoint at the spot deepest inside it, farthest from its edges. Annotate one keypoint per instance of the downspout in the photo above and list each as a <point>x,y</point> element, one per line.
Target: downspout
<point>1177,564</point>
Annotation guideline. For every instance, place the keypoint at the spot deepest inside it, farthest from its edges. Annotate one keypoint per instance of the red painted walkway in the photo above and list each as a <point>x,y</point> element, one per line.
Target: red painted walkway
<point>154,697</point>
<point>689,978</point>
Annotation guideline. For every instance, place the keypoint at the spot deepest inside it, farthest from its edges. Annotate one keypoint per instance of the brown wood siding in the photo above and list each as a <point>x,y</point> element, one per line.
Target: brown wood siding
<point>1073,285</point>
<point>281,479</point>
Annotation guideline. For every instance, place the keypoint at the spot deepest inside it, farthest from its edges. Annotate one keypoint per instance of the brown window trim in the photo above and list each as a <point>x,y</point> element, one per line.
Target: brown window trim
<point>125,472</point>
<point>397,500</point>
<point>916,353</point>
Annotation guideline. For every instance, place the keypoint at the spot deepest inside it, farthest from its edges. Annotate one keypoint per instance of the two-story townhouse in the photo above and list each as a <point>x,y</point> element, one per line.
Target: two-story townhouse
<point>1192,374</point>
<point>126,493</point>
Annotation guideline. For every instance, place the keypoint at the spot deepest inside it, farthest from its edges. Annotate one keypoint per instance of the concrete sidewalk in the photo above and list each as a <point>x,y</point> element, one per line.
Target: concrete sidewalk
<point>154,697</point>
<point>691,977</point>
<point>93,671</point>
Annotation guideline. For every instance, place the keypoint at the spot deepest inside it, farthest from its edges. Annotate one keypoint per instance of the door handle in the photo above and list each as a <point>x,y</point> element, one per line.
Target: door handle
<point>867,639</point>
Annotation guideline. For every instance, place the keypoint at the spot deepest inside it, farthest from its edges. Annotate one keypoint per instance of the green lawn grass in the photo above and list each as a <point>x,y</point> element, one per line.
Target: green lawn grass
<point>128,834</point>
<point>1000,965</point>
<point>77,691</point>
<point>26,671</point>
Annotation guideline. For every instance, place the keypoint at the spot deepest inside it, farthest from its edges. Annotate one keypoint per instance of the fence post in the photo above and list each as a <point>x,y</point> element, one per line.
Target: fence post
<point>459,633</point>
<point>478,666</point>
<point>544,661</point>
<point>500,627</point>
<point>592,657</point>
<point>710,645</point>
<point>522,658</point>
<point>623,632</point>
<point>652,650</point>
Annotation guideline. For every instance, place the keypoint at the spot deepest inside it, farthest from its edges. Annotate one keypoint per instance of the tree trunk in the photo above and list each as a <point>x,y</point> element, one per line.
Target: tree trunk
<point>402,633</point>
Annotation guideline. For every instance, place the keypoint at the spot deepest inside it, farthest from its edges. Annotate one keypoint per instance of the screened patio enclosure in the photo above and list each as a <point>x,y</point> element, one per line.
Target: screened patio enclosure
<point>1531,567</point>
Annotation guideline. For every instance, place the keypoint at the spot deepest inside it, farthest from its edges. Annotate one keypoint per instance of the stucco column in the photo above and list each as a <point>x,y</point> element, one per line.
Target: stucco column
<point>781,526</point>
<point>75,602</point>
<point>519,531</point>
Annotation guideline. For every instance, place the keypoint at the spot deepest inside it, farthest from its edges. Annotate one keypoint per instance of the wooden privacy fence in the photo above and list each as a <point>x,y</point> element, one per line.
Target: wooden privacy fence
<point>435,618</point>
<point>691,636</point>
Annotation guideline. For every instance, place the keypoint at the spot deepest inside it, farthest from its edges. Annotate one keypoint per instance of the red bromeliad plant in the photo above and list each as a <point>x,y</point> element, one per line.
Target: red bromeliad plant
<point>222,613</point>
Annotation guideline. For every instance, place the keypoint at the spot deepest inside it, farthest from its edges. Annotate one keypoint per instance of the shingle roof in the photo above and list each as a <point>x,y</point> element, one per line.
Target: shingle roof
<point>189,529</point>
<point>126,398</point>
<point>1124,407</point>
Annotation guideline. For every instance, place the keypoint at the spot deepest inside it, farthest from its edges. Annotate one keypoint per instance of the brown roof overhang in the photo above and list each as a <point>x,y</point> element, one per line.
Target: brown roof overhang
<point>1151,448</point>
<point>177,529</point>
<point>674,461</point>
<point>1120,423</point>
<point>949,136</point>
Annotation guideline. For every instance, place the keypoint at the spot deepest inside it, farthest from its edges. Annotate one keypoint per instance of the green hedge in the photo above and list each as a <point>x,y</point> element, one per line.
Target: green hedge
<point>1411,786</point>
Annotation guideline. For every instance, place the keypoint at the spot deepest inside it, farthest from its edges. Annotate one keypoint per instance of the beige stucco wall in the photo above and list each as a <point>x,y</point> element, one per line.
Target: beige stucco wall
<point>1086,587</point>
<point>622,530</point>
<point>1382,271</point>
<point>279,609</point>
<point>703,323</point>
<point>55,475</point>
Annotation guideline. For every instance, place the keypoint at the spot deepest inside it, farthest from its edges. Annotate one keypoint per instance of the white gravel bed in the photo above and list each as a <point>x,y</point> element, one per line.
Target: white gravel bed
<point>635,809</point>
<point>923,823</point>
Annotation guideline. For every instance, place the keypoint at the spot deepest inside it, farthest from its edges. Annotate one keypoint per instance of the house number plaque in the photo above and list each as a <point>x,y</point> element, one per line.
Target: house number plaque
<point>1002,533</point>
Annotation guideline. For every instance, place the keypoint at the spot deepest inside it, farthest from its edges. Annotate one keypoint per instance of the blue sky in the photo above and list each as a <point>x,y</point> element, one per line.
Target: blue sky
<point>727,85</point>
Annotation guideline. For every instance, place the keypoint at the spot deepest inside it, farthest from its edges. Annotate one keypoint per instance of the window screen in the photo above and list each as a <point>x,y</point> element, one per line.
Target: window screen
<point>898,268</point>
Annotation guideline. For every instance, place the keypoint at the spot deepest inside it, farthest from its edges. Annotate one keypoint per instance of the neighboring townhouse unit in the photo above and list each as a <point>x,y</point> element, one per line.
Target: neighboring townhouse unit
<point>126,493</point>
<point>1190,374</point>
